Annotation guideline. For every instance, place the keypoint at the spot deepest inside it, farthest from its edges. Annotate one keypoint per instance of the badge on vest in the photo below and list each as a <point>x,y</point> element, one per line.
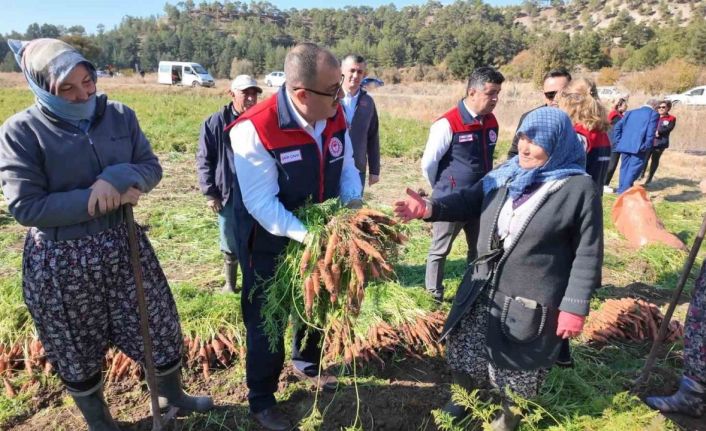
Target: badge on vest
<point>335,147</point>
<point>493,136</point>
<point>468,137</point>
<point>290,156</point>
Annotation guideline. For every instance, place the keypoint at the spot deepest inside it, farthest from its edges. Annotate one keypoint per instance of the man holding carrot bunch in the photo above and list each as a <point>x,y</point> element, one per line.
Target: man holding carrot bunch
<point>291,149</point>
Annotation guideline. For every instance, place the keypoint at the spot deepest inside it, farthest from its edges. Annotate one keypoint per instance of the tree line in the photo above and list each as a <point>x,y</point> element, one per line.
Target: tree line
<point>231,36</point>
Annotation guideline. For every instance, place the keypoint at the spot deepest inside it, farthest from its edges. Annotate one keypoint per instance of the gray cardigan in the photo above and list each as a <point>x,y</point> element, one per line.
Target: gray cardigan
<point>556,261</point>
<point>364,135</point>
<point>47,167</point>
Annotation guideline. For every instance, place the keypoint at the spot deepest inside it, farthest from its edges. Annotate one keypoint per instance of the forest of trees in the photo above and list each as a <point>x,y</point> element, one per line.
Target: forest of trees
<point>433,38</point>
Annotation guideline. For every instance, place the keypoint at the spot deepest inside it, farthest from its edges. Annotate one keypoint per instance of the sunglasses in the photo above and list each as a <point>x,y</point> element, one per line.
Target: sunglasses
<point>661,107</point>
<point>550,94</point>
<point>333,95</point>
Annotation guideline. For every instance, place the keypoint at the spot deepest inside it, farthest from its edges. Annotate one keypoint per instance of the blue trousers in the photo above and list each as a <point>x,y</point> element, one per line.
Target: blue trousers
<point>262,366</point>
<point>631,166</point>
<point>226,227</point>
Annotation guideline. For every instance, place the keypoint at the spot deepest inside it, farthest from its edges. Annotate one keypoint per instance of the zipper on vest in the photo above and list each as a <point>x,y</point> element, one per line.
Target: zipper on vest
<point>322,158</point>
<point>485,149</point>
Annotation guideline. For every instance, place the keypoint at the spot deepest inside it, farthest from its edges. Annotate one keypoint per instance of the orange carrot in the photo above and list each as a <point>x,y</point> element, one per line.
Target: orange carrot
<point>333,241</point>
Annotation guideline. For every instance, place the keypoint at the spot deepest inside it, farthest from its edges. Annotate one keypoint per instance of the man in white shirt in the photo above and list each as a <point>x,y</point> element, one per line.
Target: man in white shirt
<point>288,150</point>
<point>362,118</point>
<point>458,153</point>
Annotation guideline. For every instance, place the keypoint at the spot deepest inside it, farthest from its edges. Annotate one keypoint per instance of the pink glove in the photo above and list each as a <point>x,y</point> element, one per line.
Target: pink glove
<point>570,325</point>
<point>412,207</point>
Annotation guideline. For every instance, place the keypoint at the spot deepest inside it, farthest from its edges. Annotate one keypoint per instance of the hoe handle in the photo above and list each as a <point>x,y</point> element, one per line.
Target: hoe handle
<point>649,363</point>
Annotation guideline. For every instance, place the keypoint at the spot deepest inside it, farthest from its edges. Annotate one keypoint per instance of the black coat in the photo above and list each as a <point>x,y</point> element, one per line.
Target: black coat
<point>214,157</point>
<point>556,261</point>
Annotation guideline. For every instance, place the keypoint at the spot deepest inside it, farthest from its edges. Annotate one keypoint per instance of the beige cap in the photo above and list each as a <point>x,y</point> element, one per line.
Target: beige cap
<point>243,82</point>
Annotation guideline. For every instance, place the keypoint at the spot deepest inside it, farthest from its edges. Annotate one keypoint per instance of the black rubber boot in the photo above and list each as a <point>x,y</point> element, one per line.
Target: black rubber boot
<point>172,394</point>
<point>690,399</point>
<point>506,420</point>
<point>230,267</point>
<point>94,409</point>
<point>468,384</point>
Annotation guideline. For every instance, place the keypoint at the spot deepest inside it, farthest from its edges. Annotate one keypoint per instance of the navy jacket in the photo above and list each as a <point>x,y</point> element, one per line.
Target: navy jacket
<point>214,157</point>
<point>364,135</point>
<point>665,126</point>
<point>635,132</point>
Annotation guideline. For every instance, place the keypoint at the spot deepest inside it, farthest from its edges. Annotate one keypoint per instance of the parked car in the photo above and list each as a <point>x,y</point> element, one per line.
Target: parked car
<point>610,93</point>
<point>274,79</point>
<point>371,82</point>
<point>695,96</point>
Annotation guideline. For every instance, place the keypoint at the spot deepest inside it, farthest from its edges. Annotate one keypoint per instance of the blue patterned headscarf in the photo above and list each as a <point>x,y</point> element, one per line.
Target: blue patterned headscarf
<point>551,129</point>
<point>46,63</point>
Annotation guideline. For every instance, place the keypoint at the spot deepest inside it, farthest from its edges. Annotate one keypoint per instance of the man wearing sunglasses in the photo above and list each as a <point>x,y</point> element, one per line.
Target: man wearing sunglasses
<point>554,81</point>
<point>289,150</point>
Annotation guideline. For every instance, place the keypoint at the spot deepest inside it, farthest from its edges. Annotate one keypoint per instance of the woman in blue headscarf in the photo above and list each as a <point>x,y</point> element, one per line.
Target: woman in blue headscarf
<point>540,252</point>
<point>67,165</point>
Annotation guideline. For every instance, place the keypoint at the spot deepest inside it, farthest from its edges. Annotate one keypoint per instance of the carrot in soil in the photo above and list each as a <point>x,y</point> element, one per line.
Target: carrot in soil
<point>223,339</point>
<point>204,363</point>
<point>124,365</point>
<point>9,390</point>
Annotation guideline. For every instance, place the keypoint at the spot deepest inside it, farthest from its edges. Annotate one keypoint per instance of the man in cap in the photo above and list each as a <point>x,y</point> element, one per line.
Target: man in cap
<point>293,148</point>
<point>362,118</point>
<point>214,165</point>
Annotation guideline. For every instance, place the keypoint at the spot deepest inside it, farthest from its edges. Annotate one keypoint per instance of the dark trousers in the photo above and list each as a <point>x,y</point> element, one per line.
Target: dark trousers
<point>443,236</point>
<point>263,366</point>
<point>652,158</point>
<point>630,168</point>
<point>612,165</point>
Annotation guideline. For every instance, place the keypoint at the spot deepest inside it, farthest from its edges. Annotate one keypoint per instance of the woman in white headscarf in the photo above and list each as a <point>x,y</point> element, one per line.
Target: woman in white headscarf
<point>67,165</point>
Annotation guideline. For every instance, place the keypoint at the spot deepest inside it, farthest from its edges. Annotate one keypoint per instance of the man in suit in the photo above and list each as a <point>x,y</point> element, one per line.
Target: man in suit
<point>362,119</point>
<point>634,136</point>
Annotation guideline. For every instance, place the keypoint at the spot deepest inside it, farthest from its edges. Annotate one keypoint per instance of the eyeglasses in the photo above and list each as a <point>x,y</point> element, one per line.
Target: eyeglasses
<point>550,94</point>
<point>333,95</point>
<point>662,107</point>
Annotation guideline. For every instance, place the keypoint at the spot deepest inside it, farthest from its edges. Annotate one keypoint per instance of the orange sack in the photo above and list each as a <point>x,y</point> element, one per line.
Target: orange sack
<point>635,217</point>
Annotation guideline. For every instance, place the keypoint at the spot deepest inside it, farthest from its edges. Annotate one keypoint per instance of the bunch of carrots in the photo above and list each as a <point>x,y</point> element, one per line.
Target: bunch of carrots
<point>628,319</point>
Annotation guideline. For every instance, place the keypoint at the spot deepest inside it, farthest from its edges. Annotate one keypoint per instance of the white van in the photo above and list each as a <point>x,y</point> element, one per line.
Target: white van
<point>184,73</point>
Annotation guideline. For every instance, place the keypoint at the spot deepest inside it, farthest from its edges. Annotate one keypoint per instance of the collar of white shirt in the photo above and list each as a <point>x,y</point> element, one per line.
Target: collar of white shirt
<point>470,111</point>
<point>316,130</point>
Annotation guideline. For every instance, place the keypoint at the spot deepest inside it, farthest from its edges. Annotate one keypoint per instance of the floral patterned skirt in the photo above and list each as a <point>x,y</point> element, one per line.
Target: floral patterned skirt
<point>695,331</point>
<point>465,353</point>
<point>82,297</point>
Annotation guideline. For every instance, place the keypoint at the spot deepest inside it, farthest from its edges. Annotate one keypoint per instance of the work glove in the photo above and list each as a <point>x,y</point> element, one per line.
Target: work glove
<point>570,325</point>
<point>412,207</point>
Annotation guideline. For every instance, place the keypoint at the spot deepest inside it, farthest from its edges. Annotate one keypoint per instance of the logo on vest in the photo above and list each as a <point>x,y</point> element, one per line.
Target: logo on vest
<point>493,136</point>
<point>290,156</point>
<point>468,137</point>
<point>665,122</point>
<point>335,147</point>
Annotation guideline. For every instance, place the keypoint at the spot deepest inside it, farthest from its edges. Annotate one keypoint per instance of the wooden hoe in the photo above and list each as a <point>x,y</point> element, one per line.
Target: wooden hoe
<point>159,422</point>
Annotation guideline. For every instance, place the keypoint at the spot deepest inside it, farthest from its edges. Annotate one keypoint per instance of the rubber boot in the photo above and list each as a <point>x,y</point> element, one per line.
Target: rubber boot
<point>94,409</point>
<point>468,384</point>
<point>172,394</point>
<point>506,420</point>
<point>230,267</point>
<point>690,399</point>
